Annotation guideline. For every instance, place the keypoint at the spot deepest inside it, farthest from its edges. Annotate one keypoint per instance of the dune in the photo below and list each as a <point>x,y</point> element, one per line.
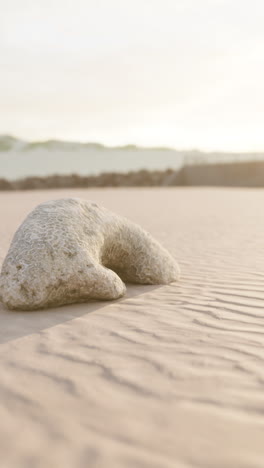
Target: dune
<point>167,376</point>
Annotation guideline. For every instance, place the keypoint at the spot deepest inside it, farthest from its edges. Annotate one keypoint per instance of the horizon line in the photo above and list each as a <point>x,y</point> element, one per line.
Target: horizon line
<point>127,146</point>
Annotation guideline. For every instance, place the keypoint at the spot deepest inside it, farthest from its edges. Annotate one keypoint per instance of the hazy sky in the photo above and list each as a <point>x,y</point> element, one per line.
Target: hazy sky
<point>184,73</point>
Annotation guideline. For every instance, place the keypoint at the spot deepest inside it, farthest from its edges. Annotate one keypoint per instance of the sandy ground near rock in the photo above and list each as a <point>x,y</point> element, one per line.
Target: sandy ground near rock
<point>169,376</point>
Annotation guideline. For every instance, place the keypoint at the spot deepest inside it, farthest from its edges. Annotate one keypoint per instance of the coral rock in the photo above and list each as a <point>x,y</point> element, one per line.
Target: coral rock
<point>72,250</point>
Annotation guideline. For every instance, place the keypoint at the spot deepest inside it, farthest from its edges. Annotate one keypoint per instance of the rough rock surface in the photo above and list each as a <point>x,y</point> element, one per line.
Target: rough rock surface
<point>72,250</point>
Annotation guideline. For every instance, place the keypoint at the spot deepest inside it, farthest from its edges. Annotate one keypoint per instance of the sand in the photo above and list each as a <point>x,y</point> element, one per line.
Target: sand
<point>169,376</point>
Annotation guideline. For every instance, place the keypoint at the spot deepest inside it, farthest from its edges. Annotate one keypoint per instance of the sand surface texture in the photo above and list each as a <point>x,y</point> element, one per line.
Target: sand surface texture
<point>169,376</point>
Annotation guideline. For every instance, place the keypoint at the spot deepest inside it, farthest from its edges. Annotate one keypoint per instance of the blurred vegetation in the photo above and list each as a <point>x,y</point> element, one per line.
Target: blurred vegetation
<point>239,174</point>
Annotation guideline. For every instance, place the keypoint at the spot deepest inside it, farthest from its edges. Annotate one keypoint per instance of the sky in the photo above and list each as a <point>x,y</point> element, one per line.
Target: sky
<point>180,73</point>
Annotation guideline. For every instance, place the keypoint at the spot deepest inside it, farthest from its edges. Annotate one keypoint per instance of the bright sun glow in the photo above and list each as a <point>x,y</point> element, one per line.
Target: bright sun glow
<point>153,72</point>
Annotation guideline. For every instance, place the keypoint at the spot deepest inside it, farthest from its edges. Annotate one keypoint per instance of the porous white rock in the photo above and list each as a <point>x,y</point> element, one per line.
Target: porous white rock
<point>72,250</point>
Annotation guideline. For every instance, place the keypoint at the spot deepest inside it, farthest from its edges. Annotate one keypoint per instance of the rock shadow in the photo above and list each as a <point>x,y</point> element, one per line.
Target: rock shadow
<point>16,324</point>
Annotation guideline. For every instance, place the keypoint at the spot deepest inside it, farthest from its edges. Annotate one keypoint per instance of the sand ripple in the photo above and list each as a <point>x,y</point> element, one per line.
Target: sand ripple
<point>169,376</point>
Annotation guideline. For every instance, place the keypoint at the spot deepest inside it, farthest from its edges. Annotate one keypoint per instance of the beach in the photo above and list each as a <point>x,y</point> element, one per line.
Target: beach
<point>167,376</point>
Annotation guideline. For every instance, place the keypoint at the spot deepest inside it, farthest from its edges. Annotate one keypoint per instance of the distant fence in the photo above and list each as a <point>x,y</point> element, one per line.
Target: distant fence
<point>240,174</point>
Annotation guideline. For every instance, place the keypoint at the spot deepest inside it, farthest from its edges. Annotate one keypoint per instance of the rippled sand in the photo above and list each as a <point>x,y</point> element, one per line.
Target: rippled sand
<point>169,376</point>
